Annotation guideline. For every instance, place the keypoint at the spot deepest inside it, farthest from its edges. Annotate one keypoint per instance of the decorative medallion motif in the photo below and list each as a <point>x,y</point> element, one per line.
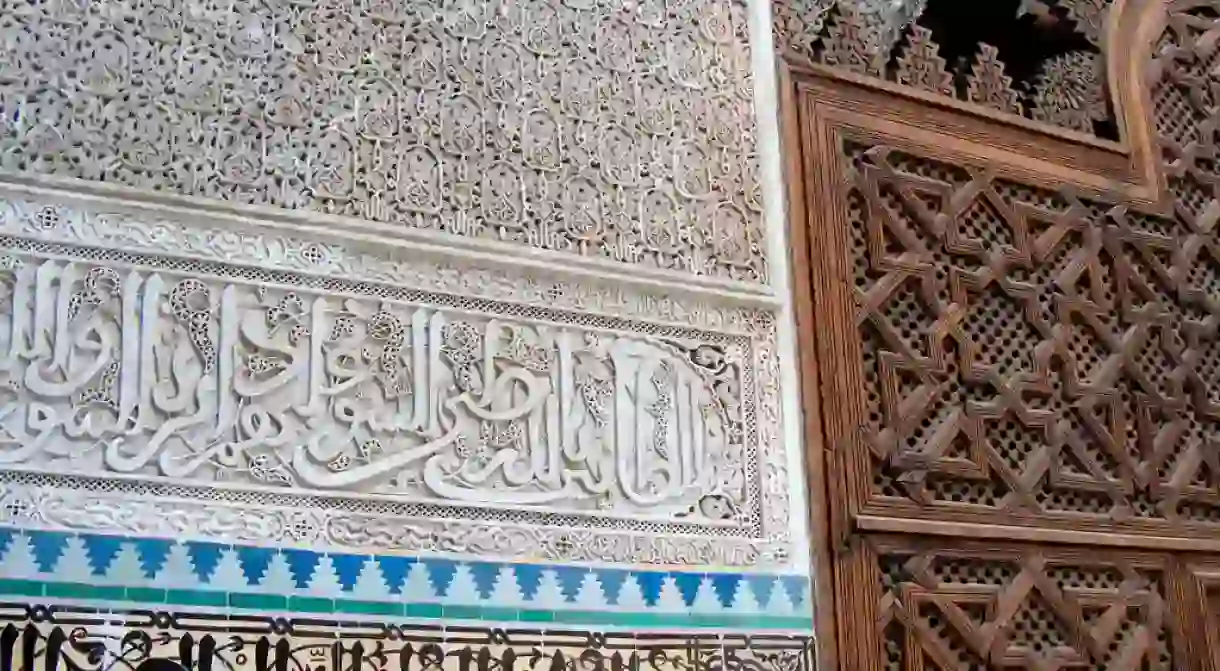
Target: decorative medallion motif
<point>1069,92</point>
<point>162,378</point>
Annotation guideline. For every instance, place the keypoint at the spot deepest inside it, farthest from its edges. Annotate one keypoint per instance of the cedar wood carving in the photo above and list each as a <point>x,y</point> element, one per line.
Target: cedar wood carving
<point>1011,357</point>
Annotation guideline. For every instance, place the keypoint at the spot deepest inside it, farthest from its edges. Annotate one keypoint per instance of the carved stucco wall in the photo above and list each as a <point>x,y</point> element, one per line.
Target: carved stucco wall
<point>612,129</point>
<point>451,280</point>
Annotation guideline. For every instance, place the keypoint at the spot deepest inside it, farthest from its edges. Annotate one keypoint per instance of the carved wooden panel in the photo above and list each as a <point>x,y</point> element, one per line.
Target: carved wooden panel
<point>1030,353</point>
<point>886,39</point>
<point>1027,355</point>
<point>1007,607</point>
<point>1015,336</point>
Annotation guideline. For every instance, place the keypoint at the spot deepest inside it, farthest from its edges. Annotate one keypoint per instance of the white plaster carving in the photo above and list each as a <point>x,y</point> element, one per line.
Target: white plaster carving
<point>615,129</point>
<point>166,377</point>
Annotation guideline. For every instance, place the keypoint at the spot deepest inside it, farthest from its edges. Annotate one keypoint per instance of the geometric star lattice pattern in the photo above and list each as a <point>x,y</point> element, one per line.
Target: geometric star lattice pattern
<point>1041,354</point>
<point>1033,352</point>
<point>1008,610</point>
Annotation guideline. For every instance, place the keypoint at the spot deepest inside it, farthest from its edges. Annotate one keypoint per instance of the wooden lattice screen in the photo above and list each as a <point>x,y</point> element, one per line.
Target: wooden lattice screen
<point>1012,362</point>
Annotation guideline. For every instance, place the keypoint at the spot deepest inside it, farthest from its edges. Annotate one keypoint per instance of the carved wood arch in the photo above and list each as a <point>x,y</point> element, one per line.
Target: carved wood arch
<point>1008,332</point>
<point>1127,166</point>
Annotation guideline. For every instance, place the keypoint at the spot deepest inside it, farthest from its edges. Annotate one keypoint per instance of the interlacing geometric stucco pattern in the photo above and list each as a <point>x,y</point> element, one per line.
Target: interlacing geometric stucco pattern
<point>620,130</point>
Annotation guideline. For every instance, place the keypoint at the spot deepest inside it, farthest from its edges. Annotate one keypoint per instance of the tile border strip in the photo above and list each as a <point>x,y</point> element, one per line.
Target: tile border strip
<point>186,573</point>
<point>49,635</point>
<point>297,605</point>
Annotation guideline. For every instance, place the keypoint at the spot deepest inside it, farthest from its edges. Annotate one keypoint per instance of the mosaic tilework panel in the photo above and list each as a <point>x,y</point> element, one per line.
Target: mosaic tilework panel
<point>38,637</point>
<point>163,571</point>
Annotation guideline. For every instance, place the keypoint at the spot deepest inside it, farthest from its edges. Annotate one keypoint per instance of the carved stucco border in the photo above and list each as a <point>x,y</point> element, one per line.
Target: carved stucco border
<point>46,501</point>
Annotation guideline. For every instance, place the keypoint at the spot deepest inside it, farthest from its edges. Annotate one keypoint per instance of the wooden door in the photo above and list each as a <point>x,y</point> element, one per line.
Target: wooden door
<point>1011,343</point>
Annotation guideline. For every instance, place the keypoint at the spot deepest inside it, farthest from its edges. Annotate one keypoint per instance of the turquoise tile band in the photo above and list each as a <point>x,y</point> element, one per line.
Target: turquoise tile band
<point>149,571</point>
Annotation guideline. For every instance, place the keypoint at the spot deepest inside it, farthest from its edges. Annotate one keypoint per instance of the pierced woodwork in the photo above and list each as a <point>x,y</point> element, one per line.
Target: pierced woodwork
<point>1060,80</point>
<point>921,67</point>
<point>1033,355</point>
<point>1010,608</point>
<point>988,85</point>
<point>1013,348</point>
<point>1028,352</point>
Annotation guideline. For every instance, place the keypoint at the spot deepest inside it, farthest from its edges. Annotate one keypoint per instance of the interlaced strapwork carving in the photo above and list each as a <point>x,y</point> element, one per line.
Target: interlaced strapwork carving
<point>955,609</point>
<point>1034,353</point>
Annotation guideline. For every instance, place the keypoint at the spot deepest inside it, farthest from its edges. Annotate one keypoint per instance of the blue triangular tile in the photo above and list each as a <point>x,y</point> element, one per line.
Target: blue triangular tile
<point>6,539</point>
<point>725,585</point>
<point>153,552</point>
<point>204,558</point>
<point>612,584</point>
<point>302,563</point>
<point>394,570</point>
<point>794,585</point>
<point>529,577</point>
<point>48,546</point>
<point>570,578</point>
<point>650,585</point>
<point>101,551</point>
<point>688,585</point>
<point>762,585</point>
<point>485,576</point>
<point>347,567</point>
<point>254,562</point>
<point>440,574</point>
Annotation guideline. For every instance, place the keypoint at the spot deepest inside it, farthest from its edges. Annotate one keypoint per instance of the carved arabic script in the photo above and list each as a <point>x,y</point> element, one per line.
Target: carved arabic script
<point>116,370</point>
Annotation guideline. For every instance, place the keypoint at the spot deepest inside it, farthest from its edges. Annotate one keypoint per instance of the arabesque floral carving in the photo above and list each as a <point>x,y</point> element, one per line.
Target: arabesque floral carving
<point>618,130</point>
